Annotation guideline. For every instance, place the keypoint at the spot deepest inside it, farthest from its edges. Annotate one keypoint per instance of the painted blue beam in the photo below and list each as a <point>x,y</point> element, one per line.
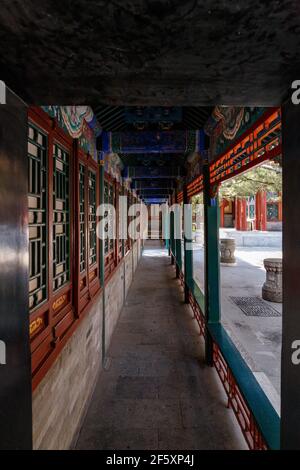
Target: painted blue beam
<point>155,200</point>
<point>153,184</point>
<point>106,142</point>
<point>149,186</point>
<point>142,114</point>
<point>156,173</point>
<point>154,142</point>
<point>153,192</point>
<point>156,196</point>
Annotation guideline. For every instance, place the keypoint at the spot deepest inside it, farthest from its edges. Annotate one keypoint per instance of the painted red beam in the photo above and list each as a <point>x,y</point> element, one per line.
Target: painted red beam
<point>268,155</point>
<point>268,113</point>
<point>246,152</point>
<point>250,149</point>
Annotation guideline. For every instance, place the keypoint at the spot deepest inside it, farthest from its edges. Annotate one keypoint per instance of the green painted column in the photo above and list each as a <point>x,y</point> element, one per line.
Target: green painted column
<point>212,259</point>
<point>166,226</point>
<point>188,239</point>
<point>177,234</point>
<point>168,223</point>
<point>167,243</point>
<point>172,244</point>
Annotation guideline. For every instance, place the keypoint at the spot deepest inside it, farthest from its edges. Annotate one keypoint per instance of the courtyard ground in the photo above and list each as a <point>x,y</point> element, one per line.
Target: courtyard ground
<point>257,338</point>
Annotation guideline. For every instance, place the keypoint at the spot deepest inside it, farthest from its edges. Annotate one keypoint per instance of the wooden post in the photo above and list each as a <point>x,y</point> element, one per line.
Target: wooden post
<point>280,208</point>
<point>15,357</point>
<point>222,207</point>
<point>212,260</point>
<point>240,214</point>
<point>290,366</point>
<point>102,257</point>
<point>177,235</point>
<point>261,210</point>
<point>188,253</point>
<point>172,241</point>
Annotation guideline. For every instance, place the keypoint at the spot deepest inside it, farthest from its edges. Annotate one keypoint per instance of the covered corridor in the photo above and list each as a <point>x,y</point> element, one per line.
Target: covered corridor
<point>109,340</point>
<point>155,392</point>
<point>87,197</point>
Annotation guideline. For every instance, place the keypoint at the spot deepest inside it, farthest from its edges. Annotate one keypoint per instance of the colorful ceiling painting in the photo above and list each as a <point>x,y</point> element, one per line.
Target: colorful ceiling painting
<point>87,141</point>
<point>113,165</point>
<point>73,117</point>
<point>80,123</point>
<point>227,123</point>
<point>194,166</point>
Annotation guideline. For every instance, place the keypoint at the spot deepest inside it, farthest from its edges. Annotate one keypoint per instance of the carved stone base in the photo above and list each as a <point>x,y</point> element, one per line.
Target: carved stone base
<point>227,248</point>
<point>272,288</point>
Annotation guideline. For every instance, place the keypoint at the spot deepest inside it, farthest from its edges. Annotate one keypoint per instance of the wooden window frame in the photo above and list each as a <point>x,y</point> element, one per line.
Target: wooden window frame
<point>128,240</point>
<point>38,215</point>
<point>111,257</point>
<point>87,282</point>
<point>275,203</point>
<point>51,322</point>
<point>119,192</point>
<point>54,321</point>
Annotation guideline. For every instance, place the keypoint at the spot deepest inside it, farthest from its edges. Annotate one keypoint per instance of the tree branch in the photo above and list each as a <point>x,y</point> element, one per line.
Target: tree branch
<point>258,181</point>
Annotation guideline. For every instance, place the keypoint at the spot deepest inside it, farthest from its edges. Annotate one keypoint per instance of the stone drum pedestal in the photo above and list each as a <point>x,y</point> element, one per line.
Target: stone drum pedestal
<point>227,248</point>
<point>272,288</point>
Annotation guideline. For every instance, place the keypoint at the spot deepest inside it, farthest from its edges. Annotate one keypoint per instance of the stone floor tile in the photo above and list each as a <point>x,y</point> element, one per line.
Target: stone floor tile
<point>157,392</point>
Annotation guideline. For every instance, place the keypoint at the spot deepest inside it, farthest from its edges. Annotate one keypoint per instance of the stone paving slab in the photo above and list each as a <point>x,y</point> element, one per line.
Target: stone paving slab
<point>157,392</point>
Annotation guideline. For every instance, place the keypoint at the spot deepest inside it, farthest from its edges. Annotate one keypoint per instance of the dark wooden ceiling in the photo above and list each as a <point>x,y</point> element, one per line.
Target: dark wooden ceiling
<point>159,52</point>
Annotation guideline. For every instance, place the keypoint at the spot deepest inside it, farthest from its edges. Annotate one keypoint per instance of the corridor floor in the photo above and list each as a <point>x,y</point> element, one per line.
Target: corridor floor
<point>157,393</point>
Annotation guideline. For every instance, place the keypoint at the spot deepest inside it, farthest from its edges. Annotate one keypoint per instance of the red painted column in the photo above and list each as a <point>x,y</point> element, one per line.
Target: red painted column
<point>235,214</point>
<point>261,210</point>
<point>280,208</point>
<point>224,203</point>
<point>240,214</point>
<point>244,214</point>
<point>233,202</point>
